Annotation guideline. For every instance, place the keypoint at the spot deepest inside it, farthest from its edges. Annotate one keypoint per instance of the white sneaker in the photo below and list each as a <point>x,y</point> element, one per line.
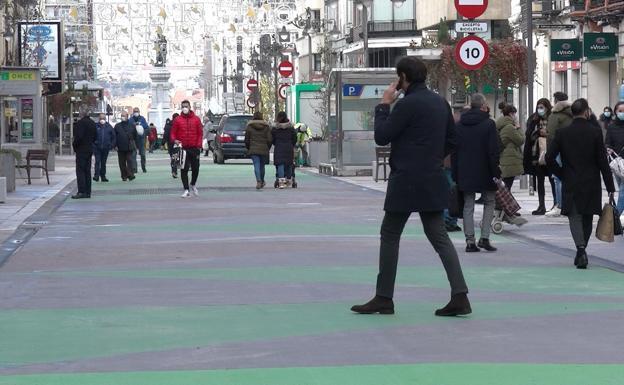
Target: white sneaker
<point>186,194</point>
<point>554,213</point>
<point>195,191</point>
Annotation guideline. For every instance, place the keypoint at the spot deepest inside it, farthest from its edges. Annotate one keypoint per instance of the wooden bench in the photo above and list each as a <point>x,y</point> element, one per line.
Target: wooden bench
<point>36,155</point>
<point>383,159</point>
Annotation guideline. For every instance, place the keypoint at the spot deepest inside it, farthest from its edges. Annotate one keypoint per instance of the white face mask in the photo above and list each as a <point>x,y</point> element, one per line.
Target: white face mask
<point>124,118</point>
<point>102,121</point>
<point>136,114</point>
<point>185,110</point>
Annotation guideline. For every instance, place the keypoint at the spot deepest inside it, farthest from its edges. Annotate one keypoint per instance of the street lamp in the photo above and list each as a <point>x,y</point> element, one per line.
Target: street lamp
<point>284,35</point>
<point>364,5</point>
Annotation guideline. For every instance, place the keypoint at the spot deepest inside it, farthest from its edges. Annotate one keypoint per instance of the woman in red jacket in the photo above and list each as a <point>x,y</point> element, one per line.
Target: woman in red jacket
<point>187,130</point>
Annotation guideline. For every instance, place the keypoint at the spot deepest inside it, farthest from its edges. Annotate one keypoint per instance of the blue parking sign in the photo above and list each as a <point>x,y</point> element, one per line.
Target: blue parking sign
<point>352,90</point>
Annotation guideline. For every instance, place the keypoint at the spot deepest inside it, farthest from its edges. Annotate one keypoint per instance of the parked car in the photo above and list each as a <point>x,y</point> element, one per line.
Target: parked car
<point>230,138</point>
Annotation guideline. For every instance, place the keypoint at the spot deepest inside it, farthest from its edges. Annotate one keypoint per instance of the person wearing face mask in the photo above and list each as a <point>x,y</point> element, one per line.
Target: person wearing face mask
<point>187,130</point>
<point>85,132</point>
<point>142,129</point>
<point>606,118</point>
<point>421,131</point>
<point>535,148</point>
<point>125,142</point>
<point>615,142</point>
<point>561,116</point>
<point>104,142</point>
<point>583,160</point>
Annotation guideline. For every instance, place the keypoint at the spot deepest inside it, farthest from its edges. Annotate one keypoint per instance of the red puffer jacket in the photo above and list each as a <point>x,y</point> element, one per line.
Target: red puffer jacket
<point>188,129</point>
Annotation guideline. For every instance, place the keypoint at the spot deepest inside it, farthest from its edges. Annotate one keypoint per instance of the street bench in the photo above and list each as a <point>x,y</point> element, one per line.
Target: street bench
<point>36,155</point>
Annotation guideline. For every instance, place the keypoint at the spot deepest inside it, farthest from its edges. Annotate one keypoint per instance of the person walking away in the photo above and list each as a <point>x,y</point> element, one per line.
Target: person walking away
<point>583,160</point>
<point>451,222</point>
<point>304,134</point>
<point>187,130</point>
<point>142,131</point>
<point>125,142</point>
<point>535,147</point>
<point>54,132</point>
<point>167,140</point>
<point>84,137</point>
<point>606,118</point>
<point>561,116</point>
<point>615,142</point>
<point>421,131</point>
<point>104,142</point>
<point>511,141</point>
<point>209,135</point>
<point>284,140</point>
<point>258,141</point>
<point>475,165</point>
<point>152,137</point>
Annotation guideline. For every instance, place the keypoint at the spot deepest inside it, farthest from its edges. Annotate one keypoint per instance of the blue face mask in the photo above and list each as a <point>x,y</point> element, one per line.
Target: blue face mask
<point>620,116</point>
<point>607,114</point>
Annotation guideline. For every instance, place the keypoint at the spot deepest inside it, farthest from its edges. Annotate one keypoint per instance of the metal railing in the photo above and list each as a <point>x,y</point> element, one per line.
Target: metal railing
<point>392,27</point>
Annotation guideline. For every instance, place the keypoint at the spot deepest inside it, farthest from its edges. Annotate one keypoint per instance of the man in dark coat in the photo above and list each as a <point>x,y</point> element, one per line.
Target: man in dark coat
<point>84,138</point>
<point>583,159</point>
<point>104,142</point>
<point>474,166</point>
<point>421,131</point>
<point>125,141</point>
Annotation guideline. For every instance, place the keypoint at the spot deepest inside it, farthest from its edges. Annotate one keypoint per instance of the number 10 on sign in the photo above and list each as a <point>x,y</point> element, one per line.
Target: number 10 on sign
<point>472,52</point>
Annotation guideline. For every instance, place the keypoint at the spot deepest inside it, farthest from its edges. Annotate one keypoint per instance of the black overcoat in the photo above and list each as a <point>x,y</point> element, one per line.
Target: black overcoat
<point>284,140</point>
<point>421,132</point>
<point>583,158</point>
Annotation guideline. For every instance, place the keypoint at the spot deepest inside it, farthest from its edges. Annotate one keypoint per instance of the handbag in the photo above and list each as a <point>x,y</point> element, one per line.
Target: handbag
<point>456,202</point>
<point>505,200</point>
<point>542,143</point>
<point>605,228</point>
<point>616,163</point>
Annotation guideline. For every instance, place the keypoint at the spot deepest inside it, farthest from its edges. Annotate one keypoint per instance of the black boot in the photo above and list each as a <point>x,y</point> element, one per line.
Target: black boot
<point>541,210</point>
<point>459,305</point>
<point>472,248</point>
<point>485,244</point>
<point>381,305</point>
<point>581,260</point>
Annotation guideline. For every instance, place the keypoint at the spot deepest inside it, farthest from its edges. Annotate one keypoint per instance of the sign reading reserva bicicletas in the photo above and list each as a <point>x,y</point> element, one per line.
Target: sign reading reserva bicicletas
<point>600,45</point>
<point>565,49</point>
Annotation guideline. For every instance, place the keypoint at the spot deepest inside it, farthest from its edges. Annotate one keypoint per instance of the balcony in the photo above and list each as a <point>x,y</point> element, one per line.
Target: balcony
<point>392,28</point>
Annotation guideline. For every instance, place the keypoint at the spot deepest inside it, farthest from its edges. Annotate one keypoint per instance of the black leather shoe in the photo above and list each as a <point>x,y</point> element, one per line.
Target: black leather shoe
<point>453,228</point>
<point>104,179</point>
<point>378,304</point>
<point>131,178</point>
<point>472,248</point>
<point>459,305</point>
<point>79,196</point>
<point>540,211</point>
<point>95,178</point>
<point>581,260</point>
<point>485,244</point>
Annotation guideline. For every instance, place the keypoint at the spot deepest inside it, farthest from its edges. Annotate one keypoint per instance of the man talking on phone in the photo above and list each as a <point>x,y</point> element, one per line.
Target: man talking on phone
<point>421,131</point>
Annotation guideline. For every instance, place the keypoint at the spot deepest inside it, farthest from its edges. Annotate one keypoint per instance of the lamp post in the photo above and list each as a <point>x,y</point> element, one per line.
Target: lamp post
<point>364,5</point>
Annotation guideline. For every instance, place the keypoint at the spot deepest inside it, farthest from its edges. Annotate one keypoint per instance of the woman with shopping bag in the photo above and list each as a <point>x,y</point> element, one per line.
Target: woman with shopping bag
<point>615,142</point>
<point>583,160</point>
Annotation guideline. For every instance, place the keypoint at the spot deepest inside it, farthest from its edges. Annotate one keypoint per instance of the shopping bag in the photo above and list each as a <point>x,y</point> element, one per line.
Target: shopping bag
<point>178,156</point>
<point>456,203</point>
<point>543,146</point>
<point>505,200</point>
<point>616,163</point>
<point>605,229</point>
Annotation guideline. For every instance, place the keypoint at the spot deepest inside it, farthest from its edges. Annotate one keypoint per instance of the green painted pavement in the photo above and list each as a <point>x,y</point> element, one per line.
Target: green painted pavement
<point>52,335</point>
<point>422,374</point>
<point>541,280</point>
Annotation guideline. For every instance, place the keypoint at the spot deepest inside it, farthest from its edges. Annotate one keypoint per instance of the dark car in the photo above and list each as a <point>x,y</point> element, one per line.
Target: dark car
<point>230,138</point>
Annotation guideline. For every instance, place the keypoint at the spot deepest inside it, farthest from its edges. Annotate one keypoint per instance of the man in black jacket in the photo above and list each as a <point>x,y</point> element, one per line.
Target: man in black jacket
<point>84,137</point>
<point>421,131</point>
<point>583,159</point>
<point>126,136</point>
<point>474,166</point>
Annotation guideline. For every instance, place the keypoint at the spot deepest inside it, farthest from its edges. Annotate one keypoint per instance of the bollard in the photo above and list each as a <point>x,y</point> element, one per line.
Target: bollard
<point>3,189</point>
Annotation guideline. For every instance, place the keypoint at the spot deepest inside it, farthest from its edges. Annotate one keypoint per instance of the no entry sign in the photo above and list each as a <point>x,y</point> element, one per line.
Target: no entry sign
<point>282,90</point>
<point>472,52</point>
<point>252,85</point>
<point>471,9</point>
<point>285,68</point>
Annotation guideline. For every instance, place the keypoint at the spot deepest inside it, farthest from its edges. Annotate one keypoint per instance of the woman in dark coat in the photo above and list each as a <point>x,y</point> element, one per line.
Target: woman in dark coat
<point>615,142</point>
<point>284,140</point>
<point>535,148</point>
<point>606,118</point>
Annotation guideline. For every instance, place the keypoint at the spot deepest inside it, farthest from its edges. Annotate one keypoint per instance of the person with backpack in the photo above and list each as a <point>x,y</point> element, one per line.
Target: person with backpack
<point>284,139</point>
<point>615,142</point>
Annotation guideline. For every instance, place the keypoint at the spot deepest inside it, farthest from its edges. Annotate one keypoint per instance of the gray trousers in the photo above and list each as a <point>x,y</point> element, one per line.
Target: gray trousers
<point>433,223</point>
<point>489,199</point>
<point>581,226</point>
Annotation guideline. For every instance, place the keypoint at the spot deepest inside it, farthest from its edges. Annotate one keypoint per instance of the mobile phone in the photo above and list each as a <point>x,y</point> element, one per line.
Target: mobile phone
<point>399,86</point>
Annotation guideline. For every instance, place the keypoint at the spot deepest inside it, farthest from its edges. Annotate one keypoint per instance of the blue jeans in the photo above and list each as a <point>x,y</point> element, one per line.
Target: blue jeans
<point>101,156</point>
<point>558,197</point>
<point>620,199</point>
<point>284,171</point>
<point>449,220</point>
<point>258,163</point>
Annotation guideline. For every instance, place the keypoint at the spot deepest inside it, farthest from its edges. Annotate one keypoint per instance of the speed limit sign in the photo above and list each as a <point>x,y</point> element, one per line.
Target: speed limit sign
<point>472,52</point>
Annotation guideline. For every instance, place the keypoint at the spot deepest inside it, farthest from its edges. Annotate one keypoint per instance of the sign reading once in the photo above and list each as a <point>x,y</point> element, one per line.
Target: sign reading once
<point>17,76</point>
<point>565,49</point>
<point>471,27</point>
<point>472,52</point>
<point>600,45</point>
<point>471,9</point>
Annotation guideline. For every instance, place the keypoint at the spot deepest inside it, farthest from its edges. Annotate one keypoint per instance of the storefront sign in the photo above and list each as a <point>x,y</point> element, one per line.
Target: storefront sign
<point>40,46</point>
<point>18,76</point>
<point>600,45</point>
<point>565,50</point>
<point>561,66</point>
